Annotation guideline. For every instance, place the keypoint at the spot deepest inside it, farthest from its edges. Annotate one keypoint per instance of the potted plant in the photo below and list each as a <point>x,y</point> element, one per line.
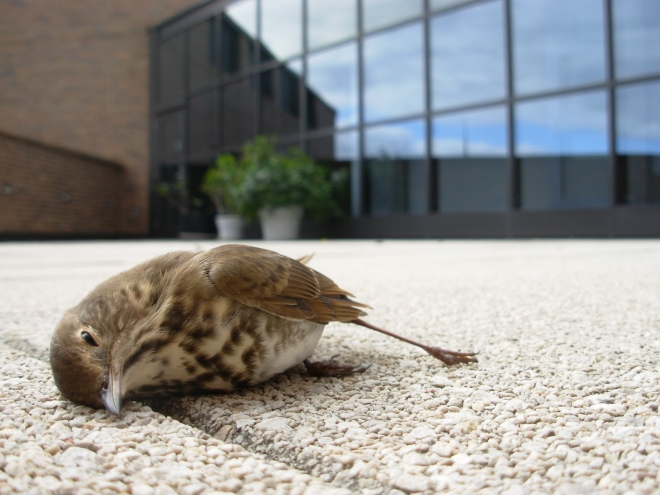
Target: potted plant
<point>280,188</point>
<point>221,184</point>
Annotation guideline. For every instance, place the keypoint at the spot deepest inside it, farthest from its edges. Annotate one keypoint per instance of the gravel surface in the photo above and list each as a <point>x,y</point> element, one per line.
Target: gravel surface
<point>564,398</point>
<point>49,445</point>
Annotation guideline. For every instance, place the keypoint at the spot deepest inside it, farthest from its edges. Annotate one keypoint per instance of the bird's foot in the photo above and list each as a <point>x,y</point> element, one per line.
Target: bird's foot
<point>330,368</point>
<point>451,357</point>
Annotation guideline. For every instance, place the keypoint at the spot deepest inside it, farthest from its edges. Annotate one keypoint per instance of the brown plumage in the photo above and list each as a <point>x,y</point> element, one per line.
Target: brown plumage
<point>181,323</point>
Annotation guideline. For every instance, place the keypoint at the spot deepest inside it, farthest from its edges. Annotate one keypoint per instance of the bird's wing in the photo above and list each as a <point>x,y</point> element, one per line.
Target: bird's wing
<point>276,284</point>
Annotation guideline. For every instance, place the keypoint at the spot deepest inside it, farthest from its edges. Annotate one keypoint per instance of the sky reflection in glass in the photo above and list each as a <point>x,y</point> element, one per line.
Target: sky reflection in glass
<point>244,15</point>
<point>574,124</point>
<point>445,4</point>
<point>467,56</point>
<point>393,73</point>
<point>382,13</point>
<point>330,22</point>
<point>557,44</point>
<point>638,119</point>
<point>281,28</point>
<point>332,77</point>
<point>471,134</point>
<point>636,37</point>
<point>400,140</point>
<point>395,167</point>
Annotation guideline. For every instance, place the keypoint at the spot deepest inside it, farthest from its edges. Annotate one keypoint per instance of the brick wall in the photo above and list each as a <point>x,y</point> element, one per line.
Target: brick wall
<point>50,191</point>
<point>75,74</point>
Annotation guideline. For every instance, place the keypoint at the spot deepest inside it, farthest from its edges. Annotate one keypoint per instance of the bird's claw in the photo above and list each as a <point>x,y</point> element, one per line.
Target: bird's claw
<point>330,368</point>
<point>452,357</point>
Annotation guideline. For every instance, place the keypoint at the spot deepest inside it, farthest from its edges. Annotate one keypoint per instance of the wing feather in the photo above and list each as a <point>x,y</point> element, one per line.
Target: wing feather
<point>276,284</point>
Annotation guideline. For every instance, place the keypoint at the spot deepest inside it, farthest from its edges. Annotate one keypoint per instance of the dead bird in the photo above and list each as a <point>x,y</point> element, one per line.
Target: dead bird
<point>182,323</point>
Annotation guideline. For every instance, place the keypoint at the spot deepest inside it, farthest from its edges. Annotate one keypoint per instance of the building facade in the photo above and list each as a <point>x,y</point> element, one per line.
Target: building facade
<point>484,118</point>
<point>74,116</point>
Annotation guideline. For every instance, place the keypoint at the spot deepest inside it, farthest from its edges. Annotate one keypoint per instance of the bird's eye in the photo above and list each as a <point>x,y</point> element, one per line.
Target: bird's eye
<point>87,337</point>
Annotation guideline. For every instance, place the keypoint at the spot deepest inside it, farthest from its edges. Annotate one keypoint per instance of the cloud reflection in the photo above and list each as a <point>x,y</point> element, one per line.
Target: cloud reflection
<point>394,73</point>
<point>400,140</point>
<point>330,22</point>
<point>467,56</point>
<point>557,44</point>
<point>332,76</point>
<point>281,27</point>
<point>571,125</point>
<point>636,37</point>
<point>638,119</point>
<point>382,13</point>
<point>471,134</point>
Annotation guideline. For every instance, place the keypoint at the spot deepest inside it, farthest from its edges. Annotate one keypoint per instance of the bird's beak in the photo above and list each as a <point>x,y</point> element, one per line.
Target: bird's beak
<point>111,393</point>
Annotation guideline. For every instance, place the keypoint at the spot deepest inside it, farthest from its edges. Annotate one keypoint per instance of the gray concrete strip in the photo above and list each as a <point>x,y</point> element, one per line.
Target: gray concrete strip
<point>564,399</point>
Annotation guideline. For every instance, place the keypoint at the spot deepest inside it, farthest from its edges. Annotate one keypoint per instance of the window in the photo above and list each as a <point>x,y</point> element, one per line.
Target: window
<point>280,100</point>
<point>171,76</point>
<point>395,168</point>
<point>202,55</point>
<point>202,122</point>
<point>340,151</point>
<point>446,4</point>
<point>170,140</point>
<point>557,44</point>
<point>638,141</point>
<point>471,152</point>
<point>382,13</point>
<point>237,46</point>
<point>467,56</point>
<point>330,22</point>
<point>562,145</point>
<point>238,112</point>
<point>393,73</point>
<point>636,37</point>
<point>281,29</point>
<point>332,87</point>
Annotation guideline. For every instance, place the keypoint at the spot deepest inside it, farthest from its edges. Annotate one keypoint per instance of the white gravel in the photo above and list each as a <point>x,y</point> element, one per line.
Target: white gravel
<point>564,399</point>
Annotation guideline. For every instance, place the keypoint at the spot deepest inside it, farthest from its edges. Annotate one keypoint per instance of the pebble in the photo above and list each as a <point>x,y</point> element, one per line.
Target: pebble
<point>411,483</point>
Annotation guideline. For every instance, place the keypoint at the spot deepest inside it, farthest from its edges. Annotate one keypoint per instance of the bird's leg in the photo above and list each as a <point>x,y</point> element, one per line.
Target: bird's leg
<point>444,355</point>
<point>330,368</point>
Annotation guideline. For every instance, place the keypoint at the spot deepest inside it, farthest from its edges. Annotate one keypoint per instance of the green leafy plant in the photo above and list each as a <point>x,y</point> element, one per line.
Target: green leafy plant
<point>222,184</point>
<point>272,180</point>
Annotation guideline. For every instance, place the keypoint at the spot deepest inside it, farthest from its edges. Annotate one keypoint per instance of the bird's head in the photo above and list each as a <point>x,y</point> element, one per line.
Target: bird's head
<point>80,358</point>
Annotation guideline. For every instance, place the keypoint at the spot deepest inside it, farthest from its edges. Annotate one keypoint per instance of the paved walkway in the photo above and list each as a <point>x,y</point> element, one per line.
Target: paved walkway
<point>564,398</point>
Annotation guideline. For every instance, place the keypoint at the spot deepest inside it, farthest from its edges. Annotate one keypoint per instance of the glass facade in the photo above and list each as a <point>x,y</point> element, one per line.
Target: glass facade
<point>436,107</point>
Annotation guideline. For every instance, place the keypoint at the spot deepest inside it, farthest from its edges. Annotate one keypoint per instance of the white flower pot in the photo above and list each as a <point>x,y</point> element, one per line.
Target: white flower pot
<point>230,227</point>
<point>281,223</point>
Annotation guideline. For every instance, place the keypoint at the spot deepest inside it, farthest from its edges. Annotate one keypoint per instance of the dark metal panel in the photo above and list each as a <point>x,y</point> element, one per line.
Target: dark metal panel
<point>638,221</point>
<point>378,227</point>
<point>583,223</point>
<point>635,221</point>
<point>468,225</point>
